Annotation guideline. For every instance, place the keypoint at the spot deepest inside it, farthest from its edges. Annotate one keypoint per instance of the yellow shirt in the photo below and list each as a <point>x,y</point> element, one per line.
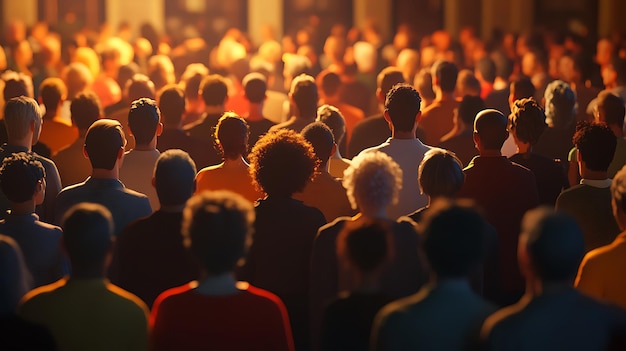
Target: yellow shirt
<point>88,314</point>
<point>601,273</point>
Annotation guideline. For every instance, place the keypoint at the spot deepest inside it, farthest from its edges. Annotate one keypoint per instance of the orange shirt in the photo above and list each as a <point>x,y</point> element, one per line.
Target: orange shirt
<point>228,176</point>
<point>57,134</point>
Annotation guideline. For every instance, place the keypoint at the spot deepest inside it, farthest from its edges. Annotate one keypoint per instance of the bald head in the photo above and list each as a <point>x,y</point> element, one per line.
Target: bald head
<point>490,127</point>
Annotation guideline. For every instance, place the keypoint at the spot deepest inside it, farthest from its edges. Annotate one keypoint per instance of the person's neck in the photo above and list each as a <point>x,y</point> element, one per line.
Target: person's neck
<point>26,142</point>
<point>372,213</point>
<point>255,112</point>
<point>402,134</point>
<point>147,147</point>
<point>337,155</point>
<point>441,95</point>
<point>214,109</point>
<point>306,117</point>
<point>101,173</point>
<point>490,153</point>
<point>220,284</point>
<point>523,148</point>
<point>593,175</point>
<point>87,273</point>
<point>23,208</point>
<point>235,162</point>
<point>367,282</point>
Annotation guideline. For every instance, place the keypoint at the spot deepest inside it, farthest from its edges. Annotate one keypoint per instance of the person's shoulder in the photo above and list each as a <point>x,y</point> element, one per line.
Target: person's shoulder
<point>127,300</point>
<point>49,229</point>
<point>40,295</point>
<point>502,320</point>
<point>259,295</point>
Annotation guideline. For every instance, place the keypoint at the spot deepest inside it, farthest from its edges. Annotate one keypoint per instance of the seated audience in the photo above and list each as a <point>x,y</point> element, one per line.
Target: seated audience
<point>84,311</point>
<point>218,311</point>
<point>144,123</point>
<point>281,163</point>
<point>231,136</point>
<point>445,314</point>
<point>590,201</point>
<point>23,182</point>
<point>348,320</point>
<point>526,124</point>
<point>553,315</point>
<point>104,146</point>
<point>373,182</point>
<point>324,192</point>
<point>73,166</point>
<point>149,255</point>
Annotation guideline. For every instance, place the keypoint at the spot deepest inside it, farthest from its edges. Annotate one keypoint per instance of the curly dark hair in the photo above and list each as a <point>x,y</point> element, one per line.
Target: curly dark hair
<point>19,175</point>
<point>282,162</point>
<point>403,104</point>
<point>596,144</point>
<point>527,120</point>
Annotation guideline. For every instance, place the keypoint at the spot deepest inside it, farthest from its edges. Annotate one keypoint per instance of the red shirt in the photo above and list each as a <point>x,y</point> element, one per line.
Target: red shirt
<point>253,319</point>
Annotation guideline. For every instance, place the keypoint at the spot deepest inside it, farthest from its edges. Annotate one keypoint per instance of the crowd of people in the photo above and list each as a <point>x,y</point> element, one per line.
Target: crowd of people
<point>171,192</point>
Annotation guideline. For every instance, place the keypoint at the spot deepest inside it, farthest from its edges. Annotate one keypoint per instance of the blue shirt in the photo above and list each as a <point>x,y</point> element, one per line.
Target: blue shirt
<point>125,205</point>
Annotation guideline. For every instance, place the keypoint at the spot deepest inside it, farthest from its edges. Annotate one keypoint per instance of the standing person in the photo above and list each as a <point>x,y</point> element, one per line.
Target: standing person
<point>255,89</point>
<point>303,97</point>
<point>218,312</point>
<point>144,122</point>
<point>505,191</point>
<point>552,314</point>
<point>281,163</point>
<point>22,118</point>
<point>231,136</point>
<point>437,118</point>
<point>402,112</point>
<point>84,311</point>
<point>104,146</point>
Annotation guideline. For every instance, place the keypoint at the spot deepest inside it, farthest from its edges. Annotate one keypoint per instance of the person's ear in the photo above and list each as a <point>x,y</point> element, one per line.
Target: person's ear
<point>120,153</point>
<point>418,117</point>
<point>85,154</point>
<point>153,182</point>
<point>386,116</point>
<point>476,139</point>
<point>159,129</point>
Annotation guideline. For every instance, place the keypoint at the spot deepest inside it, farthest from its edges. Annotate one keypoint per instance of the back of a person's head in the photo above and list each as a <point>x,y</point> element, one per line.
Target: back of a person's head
<point>19,113</point>
<point>282,162</point>
<point>85,109</point>
<point>440,174</point>
<point>373,180</point>
<point>560,104</point>
<point>467,83</point>
<point>126,73</point>
<point>528,120</point>
<point>87,235</point>
<point>424,84</point>
<point>171,104</point>
<point>333,118</point>
<point>329,83</point>
<point>232,134</point>
<point>143,119</point>
<point>446,74</point>
<point>403,104</point>
<point>365,247</point>
<point>192,77</point>
<point>161,71</point>
<point>554,243</point>
<point>255,87</point>
<point>469,108</point>
<point>139,86</point>
<point>491,127</point>
<point>522,88</point>
<point>612,107</point>
<point>304,94</point>
<point>17,84</point>
<point>217,227</point>
<point>52,91</point>
<point>214,90</point>
<point>174,177</point>
<point>77,78</point>
<point>103,143</point>
<point>388,78</point>
<point>487,69</point>
<point>596,144</point>
<point>19,176</point>
<point>504,65</point>
<point>321,138</point>
<point>453,237</point>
